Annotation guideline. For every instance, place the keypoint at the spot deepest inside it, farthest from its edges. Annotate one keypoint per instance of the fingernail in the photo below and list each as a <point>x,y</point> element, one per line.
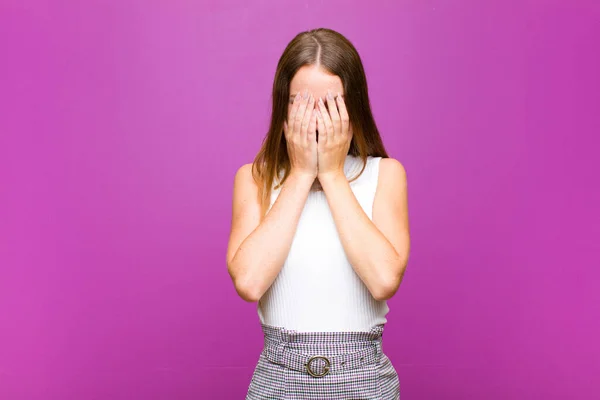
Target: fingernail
<point>298,95</point>
<point>305,96</point>
<point>329,94</point>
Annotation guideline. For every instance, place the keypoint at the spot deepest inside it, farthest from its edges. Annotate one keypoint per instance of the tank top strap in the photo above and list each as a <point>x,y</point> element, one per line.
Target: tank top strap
<point>372,177</point>
<point>365,186</point>
<point>373,167</point>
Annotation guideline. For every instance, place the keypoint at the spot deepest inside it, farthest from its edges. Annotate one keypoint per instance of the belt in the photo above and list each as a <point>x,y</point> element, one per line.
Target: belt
<point>280,353</point>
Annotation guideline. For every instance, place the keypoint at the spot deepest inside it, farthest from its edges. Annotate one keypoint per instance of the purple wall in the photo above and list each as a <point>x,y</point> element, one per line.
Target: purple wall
<point>122,124</point>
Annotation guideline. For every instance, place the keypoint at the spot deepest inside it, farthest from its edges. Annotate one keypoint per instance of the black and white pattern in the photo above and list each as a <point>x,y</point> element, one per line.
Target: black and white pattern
<point>358,368</point>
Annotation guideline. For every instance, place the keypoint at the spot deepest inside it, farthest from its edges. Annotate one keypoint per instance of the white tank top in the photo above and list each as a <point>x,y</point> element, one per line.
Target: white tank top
<point>317,290</point>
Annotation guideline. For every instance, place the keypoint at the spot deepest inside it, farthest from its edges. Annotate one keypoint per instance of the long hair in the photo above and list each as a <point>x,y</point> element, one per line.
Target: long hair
<point>334,53</point>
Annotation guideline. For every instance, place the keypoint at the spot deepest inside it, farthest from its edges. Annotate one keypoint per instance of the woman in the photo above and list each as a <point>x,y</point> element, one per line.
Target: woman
<point>320,233</point>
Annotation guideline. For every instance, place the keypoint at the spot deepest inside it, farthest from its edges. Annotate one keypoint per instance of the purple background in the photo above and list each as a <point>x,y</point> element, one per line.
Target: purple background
<point>122,124</point>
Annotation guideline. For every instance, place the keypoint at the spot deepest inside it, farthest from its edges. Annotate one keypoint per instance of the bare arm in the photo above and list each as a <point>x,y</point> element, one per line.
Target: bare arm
<point>378,250</point>
<point>257,250</point>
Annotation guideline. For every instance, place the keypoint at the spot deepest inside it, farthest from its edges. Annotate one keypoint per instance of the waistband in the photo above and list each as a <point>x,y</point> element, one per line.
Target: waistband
<point>294,336</point>
<point>321,353</point>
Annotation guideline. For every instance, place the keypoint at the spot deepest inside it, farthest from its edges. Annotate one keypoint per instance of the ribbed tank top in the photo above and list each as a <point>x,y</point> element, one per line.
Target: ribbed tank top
<point>317,290</point>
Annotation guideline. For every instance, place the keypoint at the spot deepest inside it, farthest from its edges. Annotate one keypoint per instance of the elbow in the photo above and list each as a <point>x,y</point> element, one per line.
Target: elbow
<point>248,294</point>
<point>247,291</point>
<point>390,285</point>
<point>385,293</point>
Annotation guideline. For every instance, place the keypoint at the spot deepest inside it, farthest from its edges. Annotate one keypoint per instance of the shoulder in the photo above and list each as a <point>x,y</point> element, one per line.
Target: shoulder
<point>244,179</point>
<point>391,196</point>
<point>391,172</point>
<point>244,171</point>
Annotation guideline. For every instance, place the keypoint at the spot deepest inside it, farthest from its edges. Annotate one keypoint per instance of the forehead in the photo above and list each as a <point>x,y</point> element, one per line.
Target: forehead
<point>316,80</point>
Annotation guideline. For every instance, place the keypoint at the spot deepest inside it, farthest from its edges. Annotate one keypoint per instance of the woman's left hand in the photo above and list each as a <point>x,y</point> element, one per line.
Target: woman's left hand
<point>334,137</point>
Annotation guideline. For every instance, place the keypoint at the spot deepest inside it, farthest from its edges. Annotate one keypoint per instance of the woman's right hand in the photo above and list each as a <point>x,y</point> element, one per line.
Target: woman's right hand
<point>300,134</point>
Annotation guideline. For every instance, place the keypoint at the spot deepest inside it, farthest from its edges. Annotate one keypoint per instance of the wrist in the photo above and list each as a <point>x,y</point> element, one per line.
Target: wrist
<point>302,177</point>
<point>331,177</point>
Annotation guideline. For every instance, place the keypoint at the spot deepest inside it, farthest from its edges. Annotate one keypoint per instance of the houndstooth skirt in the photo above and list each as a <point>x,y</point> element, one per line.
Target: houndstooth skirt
<point>323,366</point>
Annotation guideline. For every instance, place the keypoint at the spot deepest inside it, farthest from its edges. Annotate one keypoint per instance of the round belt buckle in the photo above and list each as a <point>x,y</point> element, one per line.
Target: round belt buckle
<point>325,368</point>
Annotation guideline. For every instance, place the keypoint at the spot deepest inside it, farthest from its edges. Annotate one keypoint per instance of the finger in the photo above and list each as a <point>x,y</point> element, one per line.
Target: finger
<point>307,116</point>
<point>293,111</point>
<point>328,127</point>
<point>312,127</point>
<point>345,120</point>
<point>334,114</point>
<point>321,130</point>
<point>300,113</point>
